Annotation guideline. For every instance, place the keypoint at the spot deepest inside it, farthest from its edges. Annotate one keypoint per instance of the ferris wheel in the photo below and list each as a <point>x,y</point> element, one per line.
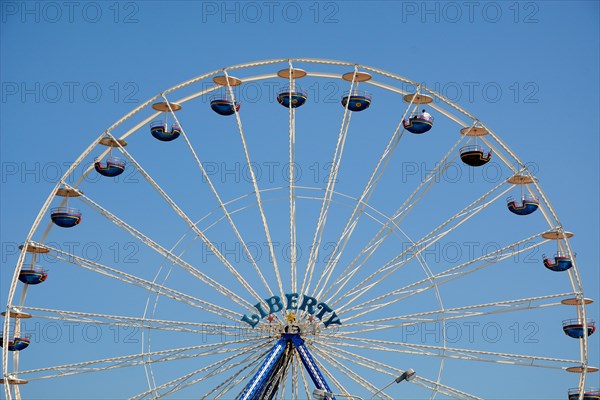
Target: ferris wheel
<point>297,228</point>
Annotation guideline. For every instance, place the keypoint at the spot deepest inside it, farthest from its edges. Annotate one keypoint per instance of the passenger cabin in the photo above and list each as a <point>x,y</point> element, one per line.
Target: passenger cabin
<point>574,328</point>
<point>475,155</point>
<point>528,205</point>
<point>561,262</point>
<point>18,344</point>
<point>33,275</point>
<point>159,129</point>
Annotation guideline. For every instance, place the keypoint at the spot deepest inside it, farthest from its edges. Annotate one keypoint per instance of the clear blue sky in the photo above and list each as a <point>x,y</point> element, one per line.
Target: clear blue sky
<point>529,70</point>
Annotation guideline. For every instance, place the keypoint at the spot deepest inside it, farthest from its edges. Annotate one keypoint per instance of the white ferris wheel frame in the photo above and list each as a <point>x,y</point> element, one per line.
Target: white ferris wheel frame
<point>343,302</point>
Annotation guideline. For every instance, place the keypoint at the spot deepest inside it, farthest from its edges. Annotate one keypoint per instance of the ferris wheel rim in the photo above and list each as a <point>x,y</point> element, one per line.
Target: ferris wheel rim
<point>576,280</point>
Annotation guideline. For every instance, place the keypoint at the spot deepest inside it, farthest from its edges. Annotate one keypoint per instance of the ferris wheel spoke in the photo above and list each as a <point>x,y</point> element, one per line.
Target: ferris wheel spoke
<point>133,360</point>
<point>303,376</point>
<point>166,253</point>
<point>542,208</point>
<point>392,223</point>
<point>222,205</point>
<point>349,373</point>
<point>420,88</point>
<point>229,384</point>
<point>295,368</point>
<point>381,273</point>
<point>259,201</point>
<point>496,150</point>
<point>420,380</point>
<point>215,368</point>
<point>495,147</point>
<point>280,377</point>
<point>520,169</point>
<point>358,210</point>
<point>292,180</point>
<point>555,222</point>
<point>219,367</point>
<point>445,276</point>
<point>430,91</point>
<point>449,314</point>
<point>329,190</point>
<point>236,379</point>
<point>366,362</point>
<point>438,387</point>
<point>142,283</point>
<point>202,328</point>
<point>189,222</point>
<point>329,375</point>
<point>455,353</point>
<point>365,384</point>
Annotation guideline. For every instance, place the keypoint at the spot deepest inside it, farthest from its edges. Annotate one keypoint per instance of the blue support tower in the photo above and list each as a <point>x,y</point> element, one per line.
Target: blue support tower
<point>310,365</point>
<point>261,379</point>
<point>265,383</point>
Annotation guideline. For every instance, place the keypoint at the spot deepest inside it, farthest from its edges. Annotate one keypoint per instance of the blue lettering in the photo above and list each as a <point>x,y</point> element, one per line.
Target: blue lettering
<point>333,320</point>
<point>310,303</point>
<point>252,321</point>
<point>292,301</point>
<point>261,310</point>
<point>324,309</point>
<point>275,304</point>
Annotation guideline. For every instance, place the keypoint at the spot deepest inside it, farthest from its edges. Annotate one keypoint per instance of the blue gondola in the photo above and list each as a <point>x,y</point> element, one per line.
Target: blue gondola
<point>158,129</point>
<point>112,167</point>
<point>528,205</point>
<point>574,328</point>
<point>294,97</point>
<point>358,100</point>
<point>588,394</point>
<point>222,105</point>
<point>33,276</point>
<point>17,344</point>
<point>418,124</point>
<point>561,262</point>
<point>475,155</point>
<point>65,217</point>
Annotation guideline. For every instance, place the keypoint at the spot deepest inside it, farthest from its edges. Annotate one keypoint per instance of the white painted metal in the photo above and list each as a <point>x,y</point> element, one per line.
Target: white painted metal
<point>243,355</point>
